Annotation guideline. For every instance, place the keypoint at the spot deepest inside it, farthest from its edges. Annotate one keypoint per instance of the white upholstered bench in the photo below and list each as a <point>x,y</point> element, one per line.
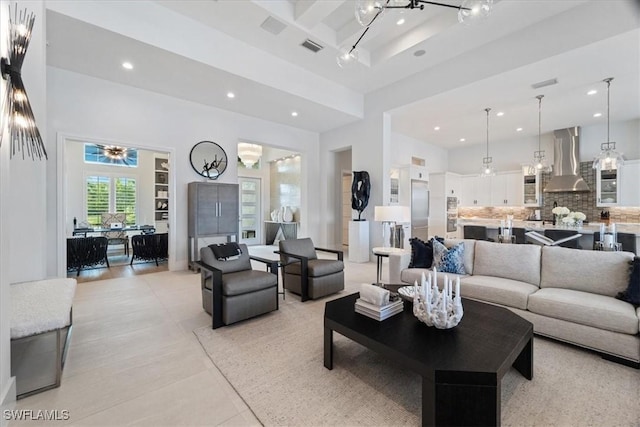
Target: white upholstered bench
<point>41,322</point>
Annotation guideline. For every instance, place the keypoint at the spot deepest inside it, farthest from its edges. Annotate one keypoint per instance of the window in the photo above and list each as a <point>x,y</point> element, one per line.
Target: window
<point>126,198</point>
<point>97,198</point>
<point>107,194</point>
<point>97,154</point>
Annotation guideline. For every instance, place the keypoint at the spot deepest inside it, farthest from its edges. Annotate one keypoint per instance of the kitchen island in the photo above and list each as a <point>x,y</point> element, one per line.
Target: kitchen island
<point>585,242</point>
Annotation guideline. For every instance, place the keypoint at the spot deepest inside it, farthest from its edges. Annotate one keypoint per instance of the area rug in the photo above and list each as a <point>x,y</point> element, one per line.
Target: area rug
<point>275,363</point>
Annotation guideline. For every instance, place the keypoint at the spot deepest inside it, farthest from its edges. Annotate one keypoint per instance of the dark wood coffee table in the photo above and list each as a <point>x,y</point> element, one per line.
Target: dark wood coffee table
<point>461,368</point>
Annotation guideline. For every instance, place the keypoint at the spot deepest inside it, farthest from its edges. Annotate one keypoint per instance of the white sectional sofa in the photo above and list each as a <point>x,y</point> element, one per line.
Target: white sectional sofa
<point>567,294</point>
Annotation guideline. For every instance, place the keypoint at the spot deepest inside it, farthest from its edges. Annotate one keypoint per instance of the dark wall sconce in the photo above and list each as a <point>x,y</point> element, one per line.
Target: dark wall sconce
<point>18,115</point>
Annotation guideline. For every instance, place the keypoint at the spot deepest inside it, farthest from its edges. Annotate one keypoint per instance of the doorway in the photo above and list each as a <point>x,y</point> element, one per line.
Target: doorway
<point>346,207</point>
<point>149,205</point>
<point>250,209</point>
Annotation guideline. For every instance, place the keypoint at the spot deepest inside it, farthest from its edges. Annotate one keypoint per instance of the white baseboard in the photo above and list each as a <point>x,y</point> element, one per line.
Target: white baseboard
<point>7,400</point>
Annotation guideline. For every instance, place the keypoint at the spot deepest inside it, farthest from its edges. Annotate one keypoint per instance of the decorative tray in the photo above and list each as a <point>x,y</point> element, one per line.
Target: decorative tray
<point>406,293</point>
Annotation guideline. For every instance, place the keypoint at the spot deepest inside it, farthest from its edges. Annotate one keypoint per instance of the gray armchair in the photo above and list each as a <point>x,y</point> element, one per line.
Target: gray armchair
<point>306,275</point>
<point>232,291</point>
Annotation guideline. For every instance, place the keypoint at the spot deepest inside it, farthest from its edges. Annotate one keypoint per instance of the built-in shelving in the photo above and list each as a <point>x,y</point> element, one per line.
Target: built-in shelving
<point>531,188</point>
<point>161,190</point>
<point>607,187</point>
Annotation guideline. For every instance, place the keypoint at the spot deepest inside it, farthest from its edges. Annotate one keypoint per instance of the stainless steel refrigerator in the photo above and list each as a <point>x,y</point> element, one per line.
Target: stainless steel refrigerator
<point>420,209</point>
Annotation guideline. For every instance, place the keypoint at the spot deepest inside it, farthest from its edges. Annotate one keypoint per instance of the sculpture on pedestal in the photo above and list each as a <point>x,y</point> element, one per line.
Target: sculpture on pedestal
<point>360,191</point>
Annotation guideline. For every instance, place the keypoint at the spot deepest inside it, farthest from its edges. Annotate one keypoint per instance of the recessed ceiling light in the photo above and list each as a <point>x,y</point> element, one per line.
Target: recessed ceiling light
<point>462,140</point>
<point>127,65</point>
<point>519,130</point>
<point>436,128</point>
<point>400,21</point>
<point>499,114</point>
<point>231,95</point>
<point>597,115</point>
<point>294,113</point>
<point>592,92</point>
<point>419,52</point>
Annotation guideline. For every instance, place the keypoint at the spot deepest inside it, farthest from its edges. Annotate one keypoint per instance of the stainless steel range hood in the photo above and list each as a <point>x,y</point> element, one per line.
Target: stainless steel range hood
<point>566,163</point>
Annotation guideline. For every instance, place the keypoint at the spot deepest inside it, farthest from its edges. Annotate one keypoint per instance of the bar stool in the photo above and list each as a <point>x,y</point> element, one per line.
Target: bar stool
<point>517,233</point>
<point>628,241</point>
<point>476,232</point>
<point>555,234</point>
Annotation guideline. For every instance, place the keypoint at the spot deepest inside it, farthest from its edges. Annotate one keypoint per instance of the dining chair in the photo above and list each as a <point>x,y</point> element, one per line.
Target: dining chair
<point>116,237</point>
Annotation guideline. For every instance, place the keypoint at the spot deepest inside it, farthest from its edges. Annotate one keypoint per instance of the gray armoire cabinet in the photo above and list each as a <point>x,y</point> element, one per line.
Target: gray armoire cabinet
<point>213,212</point>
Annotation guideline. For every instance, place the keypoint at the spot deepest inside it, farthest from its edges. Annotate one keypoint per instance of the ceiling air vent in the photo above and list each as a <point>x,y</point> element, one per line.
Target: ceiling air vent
<point>273,26</point>
<point>544,83</point>
<point>312,46</point>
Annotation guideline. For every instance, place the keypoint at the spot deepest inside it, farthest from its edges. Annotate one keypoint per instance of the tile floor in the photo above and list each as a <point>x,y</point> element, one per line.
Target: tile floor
<point>134,360</point>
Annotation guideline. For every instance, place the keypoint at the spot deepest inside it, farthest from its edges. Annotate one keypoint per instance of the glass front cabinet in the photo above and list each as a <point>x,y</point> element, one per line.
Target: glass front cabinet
<point>607,188</point>
<point>531,188</point>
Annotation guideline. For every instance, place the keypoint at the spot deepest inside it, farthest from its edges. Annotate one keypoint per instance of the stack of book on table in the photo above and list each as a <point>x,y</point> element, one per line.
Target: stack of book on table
<point>379,312</point>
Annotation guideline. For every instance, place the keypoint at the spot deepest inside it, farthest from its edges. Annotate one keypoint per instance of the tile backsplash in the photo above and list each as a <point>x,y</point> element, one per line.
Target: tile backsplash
<point>584,202</point>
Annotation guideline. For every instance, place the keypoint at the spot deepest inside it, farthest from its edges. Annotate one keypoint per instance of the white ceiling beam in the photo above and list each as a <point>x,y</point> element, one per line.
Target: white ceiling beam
<point>158,26</point>
<point>350,32</point>
<point>310,13</point>
<point>415,36</point>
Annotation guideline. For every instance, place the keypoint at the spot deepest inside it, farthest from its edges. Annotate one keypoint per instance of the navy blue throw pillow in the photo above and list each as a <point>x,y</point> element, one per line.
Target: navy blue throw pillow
<point>632,294</point>
<point>422,252</point>
<point>225,251</point>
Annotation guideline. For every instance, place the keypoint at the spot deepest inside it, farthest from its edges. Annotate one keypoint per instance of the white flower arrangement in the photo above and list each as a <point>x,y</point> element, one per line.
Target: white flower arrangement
<point>560,210</point>
<point>568,219</point>
<point>573,218</point>
<point>578,216</point>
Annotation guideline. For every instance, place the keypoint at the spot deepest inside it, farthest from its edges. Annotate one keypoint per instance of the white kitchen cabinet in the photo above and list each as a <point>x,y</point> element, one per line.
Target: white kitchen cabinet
<point>531,195</point>
<point>607,187</point>
<point>475,191</point>
<point>419,172</point>
<point>506,189</point>
<point>442,218</point>
<point>630,184</point>
<point>514,194</point>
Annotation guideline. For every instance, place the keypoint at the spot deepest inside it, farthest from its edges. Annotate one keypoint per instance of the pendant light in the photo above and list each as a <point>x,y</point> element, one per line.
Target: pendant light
<point>487,168</point>
<point>540,163</point>
<point>608,158</point>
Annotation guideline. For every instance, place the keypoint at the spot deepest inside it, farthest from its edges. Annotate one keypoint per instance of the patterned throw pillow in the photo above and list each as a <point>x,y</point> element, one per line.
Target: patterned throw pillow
<point>448,260</point>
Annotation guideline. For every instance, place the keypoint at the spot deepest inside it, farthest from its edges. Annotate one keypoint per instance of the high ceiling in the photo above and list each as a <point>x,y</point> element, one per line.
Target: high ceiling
<point>200,50</point>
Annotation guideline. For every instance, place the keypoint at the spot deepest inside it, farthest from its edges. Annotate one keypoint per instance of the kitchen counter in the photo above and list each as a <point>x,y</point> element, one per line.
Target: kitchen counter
<point>494,224</point>
<point>585,242</point>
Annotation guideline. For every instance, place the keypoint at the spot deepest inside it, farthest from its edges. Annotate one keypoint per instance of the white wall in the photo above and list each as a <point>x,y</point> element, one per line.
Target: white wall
<point>366,140</point>
<point>23,194</point>
<point>94,108</point>
<point>626,135</point>
<point>510,155</point>
<point>405,147</point>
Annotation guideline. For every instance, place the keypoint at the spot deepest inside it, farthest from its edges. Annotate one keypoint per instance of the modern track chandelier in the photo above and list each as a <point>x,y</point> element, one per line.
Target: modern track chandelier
<point>115,153</point>
<point>487,168</point>
<point>540,163</point>
<point>367,11</point>
<point>18,115</point>
<point>608,158</point>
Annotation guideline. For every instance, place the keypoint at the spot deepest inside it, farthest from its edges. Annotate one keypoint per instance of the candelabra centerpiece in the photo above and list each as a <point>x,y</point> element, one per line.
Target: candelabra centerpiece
<point>434,307</point>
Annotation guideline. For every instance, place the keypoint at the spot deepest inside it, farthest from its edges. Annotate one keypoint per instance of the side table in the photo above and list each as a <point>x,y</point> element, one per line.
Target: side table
<point>383,252</point>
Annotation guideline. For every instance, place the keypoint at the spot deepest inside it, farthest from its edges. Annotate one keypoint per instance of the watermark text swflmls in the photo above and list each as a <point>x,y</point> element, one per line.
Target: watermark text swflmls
<point>36,414</point>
